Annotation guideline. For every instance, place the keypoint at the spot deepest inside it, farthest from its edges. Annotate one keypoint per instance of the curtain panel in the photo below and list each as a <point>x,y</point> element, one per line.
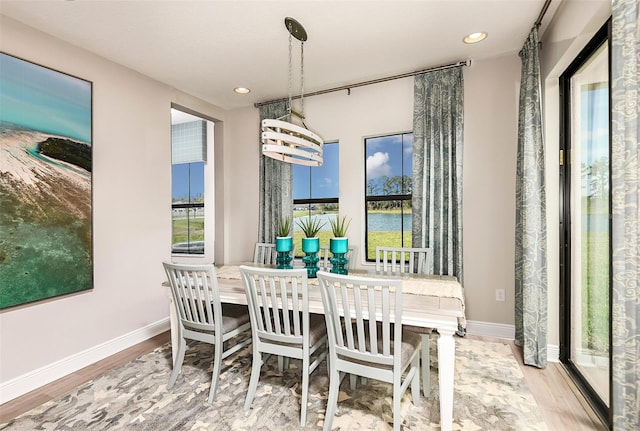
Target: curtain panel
<point>438,122</point>
<point>531,226</point>
<point>625,208</point>
<point>276,182</point>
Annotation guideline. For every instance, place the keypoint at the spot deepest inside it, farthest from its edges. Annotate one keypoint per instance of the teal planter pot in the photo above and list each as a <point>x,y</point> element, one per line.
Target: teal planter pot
<point>284,246</point>
<point>310,247</point>
<point>284,243</point>
<point>339,247</point>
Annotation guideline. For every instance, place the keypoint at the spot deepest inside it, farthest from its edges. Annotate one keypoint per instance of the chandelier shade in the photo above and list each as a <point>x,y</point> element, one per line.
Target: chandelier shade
<point>284,140</point>
<point>290,143</point>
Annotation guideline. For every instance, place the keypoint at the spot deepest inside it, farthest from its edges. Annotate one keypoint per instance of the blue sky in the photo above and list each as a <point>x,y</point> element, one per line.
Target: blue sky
<point>42,99</point>
<point>187,181</point>
<point>389,156</point>
<point>384,157</point>
<point>324,179</point>
<point>594,120</point>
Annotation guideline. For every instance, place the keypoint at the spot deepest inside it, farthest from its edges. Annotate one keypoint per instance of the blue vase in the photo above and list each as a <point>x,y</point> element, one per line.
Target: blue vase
<point>339,247</point>
<point>310,247</point>
<point>284,246</point>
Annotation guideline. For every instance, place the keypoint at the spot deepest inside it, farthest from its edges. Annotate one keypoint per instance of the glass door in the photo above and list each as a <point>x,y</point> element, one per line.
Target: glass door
<point>586,342</point>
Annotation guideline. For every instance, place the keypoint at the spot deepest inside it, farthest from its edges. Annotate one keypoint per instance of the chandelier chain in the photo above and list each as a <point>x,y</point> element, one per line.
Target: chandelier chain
<point>302,79</point>
<point>290,71</point>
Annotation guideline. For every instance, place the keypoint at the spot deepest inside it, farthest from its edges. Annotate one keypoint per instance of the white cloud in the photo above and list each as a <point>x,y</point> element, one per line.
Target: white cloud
<point>325,182</point>
<point>377,165</point>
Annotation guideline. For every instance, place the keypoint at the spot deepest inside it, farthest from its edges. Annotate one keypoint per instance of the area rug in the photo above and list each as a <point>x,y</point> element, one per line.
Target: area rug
<point>490,394</point>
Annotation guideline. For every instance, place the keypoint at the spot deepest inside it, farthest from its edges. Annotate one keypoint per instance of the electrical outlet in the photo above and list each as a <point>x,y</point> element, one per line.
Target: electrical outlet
<point>499,294</point>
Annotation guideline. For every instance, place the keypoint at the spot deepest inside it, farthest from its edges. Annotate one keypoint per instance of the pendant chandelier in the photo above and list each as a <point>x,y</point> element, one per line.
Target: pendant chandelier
<point>281,138</point>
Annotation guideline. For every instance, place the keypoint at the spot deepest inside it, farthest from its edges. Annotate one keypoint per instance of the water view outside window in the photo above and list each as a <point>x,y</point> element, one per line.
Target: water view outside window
<point>315,194</point>
<point>388,191</point>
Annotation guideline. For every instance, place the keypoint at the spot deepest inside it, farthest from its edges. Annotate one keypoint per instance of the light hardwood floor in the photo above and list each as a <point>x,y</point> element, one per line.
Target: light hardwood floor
<point>559,400</point>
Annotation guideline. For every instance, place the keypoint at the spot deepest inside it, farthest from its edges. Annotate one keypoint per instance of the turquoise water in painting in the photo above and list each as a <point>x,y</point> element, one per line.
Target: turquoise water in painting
<point>47,261</point>
<point>42,99</point>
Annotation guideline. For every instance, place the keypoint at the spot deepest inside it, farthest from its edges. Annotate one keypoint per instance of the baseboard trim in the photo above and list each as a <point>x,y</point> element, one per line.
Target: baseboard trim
<point>553,353</point>
<point>507,332</point>
<point>37,378</point>
<point>488,329</point>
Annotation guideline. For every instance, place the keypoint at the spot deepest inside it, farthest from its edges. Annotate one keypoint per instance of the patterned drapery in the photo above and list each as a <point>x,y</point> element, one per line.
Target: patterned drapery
<point>276,183</point>
<point>625,222</point>
<point>531,226</point>
<point>437,167</point>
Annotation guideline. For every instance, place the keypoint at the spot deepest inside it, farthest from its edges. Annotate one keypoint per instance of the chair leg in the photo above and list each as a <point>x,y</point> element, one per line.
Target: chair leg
<point>305,391</point>
<point>255,376</point>
<point>215,375</point>
<point>397,397</point>
<point>353,381</point>
<point>177,365</point>
<point>415,381</point>
<point>332,401</point>
<point>426,365</point>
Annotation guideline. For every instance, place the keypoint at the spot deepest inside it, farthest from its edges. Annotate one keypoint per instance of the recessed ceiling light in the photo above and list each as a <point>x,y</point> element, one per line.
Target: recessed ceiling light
<point>242,90</point>
<point>475,37</point>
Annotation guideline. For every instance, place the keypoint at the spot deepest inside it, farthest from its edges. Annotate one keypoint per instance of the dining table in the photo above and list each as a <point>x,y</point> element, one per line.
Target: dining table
<point>432,302</point>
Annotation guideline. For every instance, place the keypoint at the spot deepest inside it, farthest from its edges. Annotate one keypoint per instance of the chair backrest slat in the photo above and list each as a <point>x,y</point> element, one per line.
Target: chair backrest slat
<point>325,257</point>
<point>402,259</point>
<point>386,323</point>
<point>264,253</point>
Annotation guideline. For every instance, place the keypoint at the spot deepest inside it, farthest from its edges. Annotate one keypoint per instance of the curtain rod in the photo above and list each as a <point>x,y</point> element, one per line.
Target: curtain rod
<point>542,12</point>
<point>373,81</point>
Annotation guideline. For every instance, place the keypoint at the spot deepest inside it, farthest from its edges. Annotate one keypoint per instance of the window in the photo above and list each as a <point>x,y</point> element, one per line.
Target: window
<point>585,342</point>
<point>188,165</point>
<point>315,193</point>
<point>388,191</point>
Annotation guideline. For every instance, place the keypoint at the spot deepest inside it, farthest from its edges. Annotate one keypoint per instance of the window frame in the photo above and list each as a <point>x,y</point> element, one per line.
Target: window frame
<point>318,201</point>
<point>208,183</point>
<point>403,197</point>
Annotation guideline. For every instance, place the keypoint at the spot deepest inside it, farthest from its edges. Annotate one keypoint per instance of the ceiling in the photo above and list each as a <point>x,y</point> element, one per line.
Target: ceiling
<point>207,48</point>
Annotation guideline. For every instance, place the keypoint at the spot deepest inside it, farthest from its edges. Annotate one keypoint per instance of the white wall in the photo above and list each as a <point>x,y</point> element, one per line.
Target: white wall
<point>491,121</point>
<point>132,221</point>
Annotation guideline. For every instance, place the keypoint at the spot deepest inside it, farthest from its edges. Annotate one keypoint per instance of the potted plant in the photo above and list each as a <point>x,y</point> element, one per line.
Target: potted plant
<point>339,244</point>
<point>284,243</point>
<point>311,243</point>
<point>310,227</point>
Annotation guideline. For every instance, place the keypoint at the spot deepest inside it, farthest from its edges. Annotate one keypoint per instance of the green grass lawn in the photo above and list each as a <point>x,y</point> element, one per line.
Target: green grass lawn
<point>182,228</point>
<point>595,289</point>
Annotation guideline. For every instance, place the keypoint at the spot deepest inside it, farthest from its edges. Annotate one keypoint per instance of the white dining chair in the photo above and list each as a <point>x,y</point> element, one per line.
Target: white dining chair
<point>265,253</point>
<point>202,317</point>
<point>404,259</point>
<point>282,325</point>
<point>366,337</point>
<point>325,257</point>
<point>414,260</point>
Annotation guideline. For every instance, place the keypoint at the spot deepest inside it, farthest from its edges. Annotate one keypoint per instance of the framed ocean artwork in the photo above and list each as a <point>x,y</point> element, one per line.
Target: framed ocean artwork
<point>46,246</point>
